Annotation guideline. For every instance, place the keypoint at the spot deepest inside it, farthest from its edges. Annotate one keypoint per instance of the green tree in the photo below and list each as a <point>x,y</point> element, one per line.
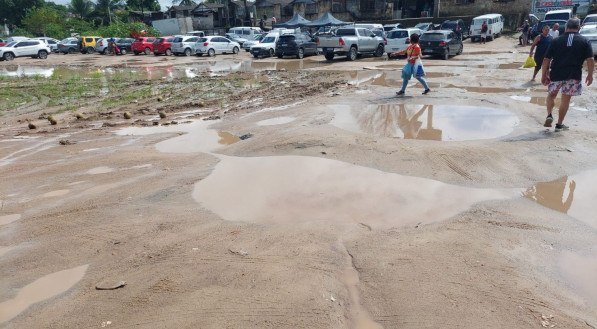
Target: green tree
<point>105,9</point>
<point>40,21</point>
<point>14,10</point>
<point>81,8</point>
<point>143,5</point>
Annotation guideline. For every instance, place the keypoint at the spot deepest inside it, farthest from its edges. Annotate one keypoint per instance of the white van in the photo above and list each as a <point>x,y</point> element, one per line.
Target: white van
<point>245,31</point>
<point>561,14</point>
<point>495,26</point>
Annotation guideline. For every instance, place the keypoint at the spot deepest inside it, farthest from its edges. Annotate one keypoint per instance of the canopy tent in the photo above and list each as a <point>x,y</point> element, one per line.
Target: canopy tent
<point>296,21</point>
<point>327,20</point>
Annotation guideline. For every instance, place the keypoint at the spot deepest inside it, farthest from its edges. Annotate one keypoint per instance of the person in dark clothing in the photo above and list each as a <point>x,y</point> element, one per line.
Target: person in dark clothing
<point>562,70</point>
<point>525,28</point>
<point>541,43</point>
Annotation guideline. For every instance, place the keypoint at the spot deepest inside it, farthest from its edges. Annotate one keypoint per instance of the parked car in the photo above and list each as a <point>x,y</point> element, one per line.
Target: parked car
<point>245,31</point>
<point>184,45</point>
<point>30,47</point>
<point>351,42</point>
<point>399,39</point>
<point>560,14</point>
<point>88,44</point>
<point>390,27</point>
<point>590,19</point>
<point>537,29</point>
<point>212,45</point>
<point>256,39</point>
<point>142,45</point>
<point>589,31</point>
<point>495,26</point>
<point>456,26</point>
<point>241,39</point>
<point>101,46</point>
<point>366,26</point>
<point>442,43</point>
<point>125,45</point>
<point>51,42</point>
<point>298,44</point>
<point>200,34</point>
<point>424,26</point>
<point>267,46</point>
<point>3,43</point>
<point>69,46</point>
<point>163,46</point>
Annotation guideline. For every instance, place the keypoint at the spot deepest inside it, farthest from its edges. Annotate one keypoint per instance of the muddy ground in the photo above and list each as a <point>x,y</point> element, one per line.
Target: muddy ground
<point>275,193</point>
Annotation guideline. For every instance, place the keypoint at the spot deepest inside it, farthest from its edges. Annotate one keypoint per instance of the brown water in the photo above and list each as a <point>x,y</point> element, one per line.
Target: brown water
<point>39,290</point>
<point>296,189</point>
<point>573,195</point>
<point>194,137</point>
<point>429,122</point>
<point>7,219</point>
<point>580,271</point>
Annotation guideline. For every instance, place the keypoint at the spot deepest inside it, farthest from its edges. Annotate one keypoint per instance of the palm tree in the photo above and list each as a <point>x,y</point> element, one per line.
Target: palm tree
<point>81,8</point>
<point>105,8</point>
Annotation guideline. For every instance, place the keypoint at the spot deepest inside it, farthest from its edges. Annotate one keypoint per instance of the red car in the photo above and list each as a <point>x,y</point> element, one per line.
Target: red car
<point>143,45</point>
<point>162,46</point>
<point>3,43</point>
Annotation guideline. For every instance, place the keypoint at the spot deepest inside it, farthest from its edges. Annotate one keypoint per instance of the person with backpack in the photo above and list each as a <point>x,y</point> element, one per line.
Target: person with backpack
<point>484,30</point>
<point>541,43</point>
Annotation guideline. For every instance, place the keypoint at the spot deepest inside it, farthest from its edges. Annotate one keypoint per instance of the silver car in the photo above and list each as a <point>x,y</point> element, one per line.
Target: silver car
<point>212,45</point>
<point>589,31</point>
<point>251,42</point>
<point>51,42</point>
<point>184,45</point>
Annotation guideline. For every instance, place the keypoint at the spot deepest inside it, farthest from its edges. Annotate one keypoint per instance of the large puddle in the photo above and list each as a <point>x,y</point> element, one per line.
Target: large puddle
<point>428,122</point>
<point>195,137</point>
<point>294,189</point>
<point>39,290</point>
<point>573,195</point>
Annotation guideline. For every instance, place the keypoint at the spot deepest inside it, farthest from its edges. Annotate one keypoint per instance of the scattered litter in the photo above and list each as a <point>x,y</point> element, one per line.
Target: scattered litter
<point>106,323</point>
<point>569,150</point>
<point>195,249</point>
<point>332,298</point>
<point>127,115</point>
<point>108,124</point>
<point>31,126</point>
<point>117,285</point>
<point>238,252</point>
<point>245,136</point>
<point>66,142</point>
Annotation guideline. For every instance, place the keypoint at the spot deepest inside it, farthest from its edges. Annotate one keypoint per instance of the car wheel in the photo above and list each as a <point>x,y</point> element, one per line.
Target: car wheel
<point>42,54</point>
<point>379,51</point>
<point>248,50</point>
<point>8,56</point>
<point>123,51</point>
<point>71,50</point>
<point>211,52</point>
<point>235,50</point>
<point>147,51</point>
<point>329,56</point>
<point>187,52</point>
<point>136,53</point>
<point>271,53</point>
<point>90,50</point>
<point>168,52</point>
<point>461,49</point>
<point>352,53</point>
<point>447,54</point>
<point>255,55</point>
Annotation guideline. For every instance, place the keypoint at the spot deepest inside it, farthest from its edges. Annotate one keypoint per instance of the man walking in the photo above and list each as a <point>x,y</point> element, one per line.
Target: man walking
<point>562,70</point>
<point>555,31</point>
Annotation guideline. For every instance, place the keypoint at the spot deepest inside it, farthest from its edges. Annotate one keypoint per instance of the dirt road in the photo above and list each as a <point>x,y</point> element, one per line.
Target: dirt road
<point>276,193</point>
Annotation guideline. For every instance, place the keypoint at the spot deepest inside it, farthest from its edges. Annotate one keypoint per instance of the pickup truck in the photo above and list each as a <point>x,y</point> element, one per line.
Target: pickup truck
<point>351,41</point>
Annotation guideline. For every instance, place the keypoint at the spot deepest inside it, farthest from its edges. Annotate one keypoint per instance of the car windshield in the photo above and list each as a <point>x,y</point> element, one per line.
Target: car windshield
<point>562,16</point>
<point>389,28</point>
<point>448,26</point>
<point>589,30</point>
<point>433,37</point>
<point>286,38</point>
<point>268,40</point>
<point>257,37</point>
<point>177,40</point>
<point>398,34</point>
<point>592,19</point>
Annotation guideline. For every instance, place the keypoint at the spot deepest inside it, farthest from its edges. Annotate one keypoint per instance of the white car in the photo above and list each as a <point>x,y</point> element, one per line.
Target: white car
<point>30,47</point>
<point>267,46</point>
<point>589,31</point>
<point>184,45</point>
<point>399,39</point>
<point>590,19</point>
<point>51,42</point>
<point>212,45</point>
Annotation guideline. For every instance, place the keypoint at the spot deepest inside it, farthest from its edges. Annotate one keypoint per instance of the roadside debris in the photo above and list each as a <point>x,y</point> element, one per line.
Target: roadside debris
<point>79,116</point>
<point>117,285</point>
<point>239,252</point>
<point>31,126</point>
<point>127,115</point>
<point>245,136</point>
<point>106,323</point>
<point>162,115</point>
<point>212,117</point>
<point>66,142</point>
<point>53,121</point>
<point>546,321</point>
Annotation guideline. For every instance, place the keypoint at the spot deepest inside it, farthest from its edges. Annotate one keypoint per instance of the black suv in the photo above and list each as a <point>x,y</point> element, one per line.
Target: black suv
<point>441,43</point>
<point>299,45</point>
<point>465,29</point>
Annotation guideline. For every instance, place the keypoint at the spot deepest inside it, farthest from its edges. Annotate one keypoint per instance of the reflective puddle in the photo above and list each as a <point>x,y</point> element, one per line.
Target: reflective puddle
<point>581,272</point>
<point>291,189</point>
<point>7,219</point>
<point>39,290</point>
<point>572,195</point>
<point>275,121</point>
<point>428,122</point>
<point>195,137</point>
<point>99,170</point>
